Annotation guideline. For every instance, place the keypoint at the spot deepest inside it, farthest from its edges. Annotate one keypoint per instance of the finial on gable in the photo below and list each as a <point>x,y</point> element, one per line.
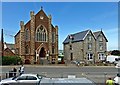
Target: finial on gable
<point>101,29</point>
<point>41,8</point>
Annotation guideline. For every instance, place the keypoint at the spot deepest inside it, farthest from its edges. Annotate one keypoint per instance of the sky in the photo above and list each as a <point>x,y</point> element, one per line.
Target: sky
<point>71,17</point>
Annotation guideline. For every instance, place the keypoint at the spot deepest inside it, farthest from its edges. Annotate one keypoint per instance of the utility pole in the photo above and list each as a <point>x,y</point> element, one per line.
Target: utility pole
<point>2,42</point>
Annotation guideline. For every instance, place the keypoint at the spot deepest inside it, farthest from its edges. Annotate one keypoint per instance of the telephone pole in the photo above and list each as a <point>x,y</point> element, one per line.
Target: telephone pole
<point>2,42</point>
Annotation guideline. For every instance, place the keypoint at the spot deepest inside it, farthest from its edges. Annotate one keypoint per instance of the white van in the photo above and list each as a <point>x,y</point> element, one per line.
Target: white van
<point>111,58</point>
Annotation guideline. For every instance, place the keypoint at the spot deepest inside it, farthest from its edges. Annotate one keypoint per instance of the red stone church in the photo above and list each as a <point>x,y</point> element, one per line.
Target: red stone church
<point>37,40</point>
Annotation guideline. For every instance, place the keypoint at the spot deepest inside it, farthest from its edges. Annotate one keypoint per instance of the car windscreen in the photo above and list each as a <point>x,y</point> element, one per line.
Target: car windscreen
<point>14,77</point>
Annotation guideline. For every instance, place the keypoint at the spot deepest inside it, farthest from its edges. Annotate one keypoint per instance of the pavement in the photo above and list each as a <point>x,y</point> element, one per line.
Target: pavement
<point>56,66</point>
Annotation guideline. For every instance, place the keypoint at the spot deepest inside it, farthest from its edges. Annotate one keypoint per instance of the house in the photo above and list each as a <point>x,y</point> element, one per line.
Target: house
<point>8,49</point>
<point>101,45</point>
<point>85,46</point>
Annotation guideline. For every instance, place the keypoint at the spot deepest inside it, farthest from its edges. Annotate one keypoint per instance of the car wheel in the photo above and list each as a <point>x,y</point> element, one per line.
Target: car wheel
<point>5,84</point>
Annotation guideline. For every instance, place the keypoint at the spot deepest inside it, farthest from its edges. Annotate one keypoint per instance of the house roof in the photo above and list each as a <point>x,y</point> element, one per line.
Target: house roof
<point>10,46</point>
<point>80,36</point>
<point>98,33</point>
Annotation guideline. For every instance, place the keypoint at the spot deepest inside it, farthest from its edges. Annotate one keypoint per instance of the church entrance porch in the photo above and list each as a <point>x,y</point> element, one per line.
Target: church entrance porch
<point>41,56</point>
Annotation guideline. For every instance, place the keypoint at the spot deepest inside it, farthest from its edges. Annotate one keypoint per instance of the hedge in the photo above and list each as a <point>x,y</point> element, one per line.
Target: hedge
<point>11,60</point>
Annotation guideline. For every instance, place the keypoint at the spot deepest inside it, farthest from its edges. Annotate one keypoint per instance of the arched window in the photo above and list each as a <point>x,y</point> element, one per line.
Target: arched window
<point>41,34</point>
<point>27,35</point>
<point>26,49</point>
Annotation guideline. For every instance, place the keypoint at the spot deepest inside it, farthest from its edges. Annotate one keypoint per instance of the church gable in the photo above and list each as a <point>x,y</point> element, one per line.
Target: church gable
<point>41,18</point>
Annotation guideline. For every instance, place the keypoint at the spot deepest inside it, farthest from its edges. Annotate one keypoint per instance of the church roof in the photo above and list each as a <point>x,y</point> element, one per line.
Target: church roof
<point>80,36</point>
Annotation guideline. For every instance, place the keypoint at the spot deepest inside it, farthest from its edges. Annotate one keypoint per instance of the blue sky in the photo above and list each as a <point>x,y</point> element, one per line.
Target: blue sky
<point>71,17</point>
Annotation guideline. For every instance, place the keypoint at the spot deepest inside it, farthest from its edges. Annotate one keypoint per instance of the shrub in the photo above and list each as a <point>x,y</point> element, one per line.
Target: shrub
<point>8,60</point>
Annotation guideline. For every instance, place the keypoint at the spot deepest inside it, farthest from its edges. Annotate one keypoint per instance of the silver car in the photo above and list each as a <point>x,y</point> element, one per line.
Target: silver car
<point>27,79</point>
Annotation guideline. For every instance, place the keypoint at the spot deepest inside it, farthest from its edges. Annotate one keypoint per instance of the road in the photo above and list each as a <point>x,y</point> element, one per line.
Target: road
<point>97,74</point>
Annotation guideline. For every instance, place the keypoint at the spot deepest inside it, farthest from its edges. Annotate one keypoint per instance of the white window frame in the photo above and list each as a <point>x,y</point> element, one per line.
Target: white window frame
<point>101,56</point>
<point>89,46</point>
<point>101,46</point>
<point>89,57</point>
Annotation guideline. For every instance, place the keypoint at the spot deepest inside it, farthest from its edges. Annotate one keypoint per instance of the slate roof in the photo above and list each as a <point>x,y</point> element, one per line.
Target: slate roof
<point>10,46</point>
<point>98,33</point>
<point>76,37</point>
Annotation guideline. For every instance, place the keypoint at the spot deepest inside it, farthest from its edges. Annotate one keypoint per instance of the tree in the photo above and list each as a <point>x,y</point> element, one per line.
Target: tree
<point>8,60</point>
<point>115,52</point>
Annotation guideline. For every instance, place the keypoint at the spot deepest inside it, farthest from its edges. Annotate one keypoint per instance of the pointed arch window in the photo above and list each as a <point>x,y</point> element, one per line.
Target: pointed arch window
<point>41,34</point>
<point>26,49</point>
<point>27,34</point>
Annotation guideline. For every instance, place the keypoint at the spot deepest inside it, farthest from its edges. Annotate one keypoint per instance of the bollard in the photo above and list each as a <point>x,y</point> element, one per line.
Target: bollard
<point>105,74</point>
<point>6,75</point>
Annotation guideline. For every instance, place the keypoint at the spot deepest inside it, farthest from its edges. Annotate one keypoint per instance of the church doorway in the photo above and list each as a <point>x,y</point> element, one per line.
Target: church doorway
<point>42,53</point>
<point>42,56</point>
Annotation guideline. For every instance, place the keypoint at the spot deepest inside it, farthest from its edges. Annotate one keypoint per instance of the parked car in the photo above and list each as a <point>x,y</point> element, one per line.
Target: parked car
<point>117,79</point>
<point>30,79</point>
<point>77,62</point>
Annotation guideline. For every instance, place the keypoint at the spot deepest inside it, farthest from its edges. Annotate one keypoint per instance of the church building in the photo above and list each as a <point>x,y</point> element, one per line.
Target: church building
<point>37,40</point>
